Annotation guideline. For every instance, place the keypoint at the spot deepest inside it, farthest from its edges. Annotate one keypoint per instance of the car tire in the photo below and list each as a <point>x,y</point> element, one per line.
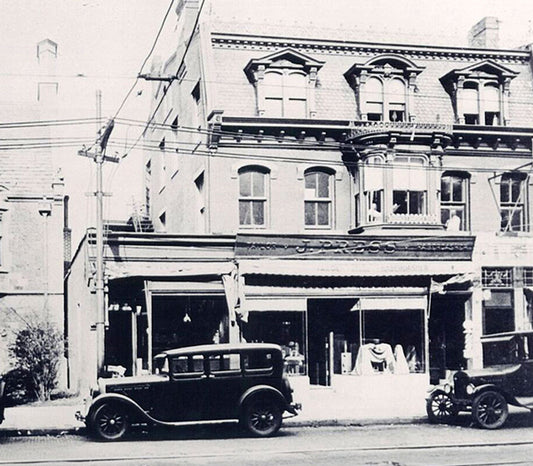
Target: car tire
<point>440,408</point>
<point>110,422</point>
<point>490,410</point>
<point>262,417</point>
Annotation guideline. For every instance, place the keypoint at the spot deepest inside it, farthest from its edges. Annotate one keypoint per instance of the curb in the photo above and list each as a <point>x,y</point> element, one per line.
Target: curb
<point>58,432</point>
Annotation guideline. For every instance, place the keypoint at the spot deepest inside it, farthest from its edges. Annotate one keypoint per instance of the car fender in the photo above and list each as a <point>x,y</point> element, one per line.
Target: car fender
<point>118,398</point>
<point>486,387</point>
<point>262,390</point>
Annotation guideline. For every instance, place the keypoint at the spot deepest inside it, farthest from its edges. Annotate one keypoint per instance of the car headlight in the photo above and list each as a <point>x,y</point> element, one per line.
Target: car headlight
<point>447,388</point>
<point>470,388</point>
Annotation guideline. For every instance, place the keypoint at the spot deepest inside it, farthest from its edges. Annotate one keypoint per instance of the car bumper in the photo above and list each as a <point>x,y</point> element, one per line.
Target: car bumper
<point>293,408</point>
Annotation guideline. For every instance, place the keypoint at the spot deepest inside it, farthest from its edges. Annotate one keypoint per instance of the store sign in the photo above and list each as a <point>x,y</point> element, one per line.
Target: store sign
<point>361,247</point>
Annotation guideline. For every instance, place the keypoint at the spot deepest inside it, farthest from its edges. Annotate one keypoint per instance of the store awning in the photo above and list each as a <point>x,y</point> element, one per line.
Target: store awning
<point>395,304</point>
<point>352,268</point>
<point>115,270</point>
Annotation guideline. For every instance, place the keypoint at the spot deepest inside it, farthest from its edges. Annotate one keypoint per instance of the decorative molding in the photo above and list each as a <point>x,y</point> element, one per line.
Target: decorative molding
<point>266,43</point>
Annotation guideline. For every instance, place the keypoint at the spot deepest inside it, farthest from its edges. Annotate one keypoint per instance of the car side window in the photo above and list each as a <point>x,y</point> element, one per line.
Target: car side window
<point>224,364</point>
<point>187,366</point>
<point>258,362</point>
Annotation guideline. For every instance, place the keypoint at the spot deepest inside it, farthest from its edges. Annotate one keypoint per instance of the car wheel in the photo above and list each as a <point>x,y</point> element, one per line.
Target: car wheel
<point>262,417</point>
<point>490,410</point>
<point>440,408</point>
<point>110,422</point>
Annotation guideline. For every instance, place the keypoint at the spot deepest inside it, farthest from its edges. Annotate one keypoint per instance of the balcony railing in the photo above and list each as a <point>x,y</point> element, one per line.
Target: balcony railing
<point>413,219</point>
<point>370,127</point>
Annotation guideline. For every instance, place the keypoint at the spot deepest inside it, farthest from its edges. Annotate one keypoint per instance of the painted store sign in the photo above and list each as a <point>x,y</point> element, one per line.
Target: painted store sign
<point>362,247</point>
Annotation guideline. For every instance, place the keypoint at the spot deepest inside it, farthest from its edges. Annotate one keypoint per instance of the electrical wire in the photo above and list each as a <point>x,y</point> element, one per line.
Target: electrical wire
<point>126,97</point>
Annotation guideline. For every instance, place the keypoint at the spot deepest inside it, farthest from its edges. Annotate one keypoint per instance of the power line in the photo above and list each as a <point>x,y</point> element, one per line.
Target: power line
<point>146,59</point>
<point>154,113</point>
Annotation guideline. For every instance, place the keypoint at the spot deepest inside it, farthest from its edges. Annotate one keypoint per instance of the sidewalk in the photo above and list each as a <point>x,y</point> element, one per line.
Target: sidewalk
<point>321,407</point>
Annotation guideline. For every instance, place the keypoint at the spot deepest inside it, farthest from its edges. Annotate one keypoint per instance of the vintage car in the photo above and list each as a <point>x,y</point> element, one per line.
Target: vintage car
<point>198,384</point>
<point>506,379</point>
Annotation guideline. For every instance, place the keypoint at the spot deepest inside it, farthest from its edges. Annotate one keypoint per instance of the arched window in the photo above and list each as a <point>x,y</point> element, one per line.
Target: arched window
<point>491,104</point>
<point>318,203</point>
<point>374,103</point>
<point>471,103</point>
<point>253,196</point>
<point>386,99</point>
<point>454,201</point>
<point>285,94</point>
<point>513,198</point>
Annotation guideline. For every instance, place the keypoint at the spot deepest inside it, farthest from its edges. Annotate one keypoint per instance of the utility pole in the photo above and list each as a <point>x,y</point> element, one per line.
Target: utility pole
<point>99,157</point>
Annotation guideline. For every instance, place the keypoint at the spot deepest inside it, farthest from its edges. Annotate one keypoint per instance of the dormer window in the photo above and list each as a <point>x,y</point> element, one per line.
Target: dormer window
<point>480,93</point>
<point>384,88</point>
<point>285,84</point>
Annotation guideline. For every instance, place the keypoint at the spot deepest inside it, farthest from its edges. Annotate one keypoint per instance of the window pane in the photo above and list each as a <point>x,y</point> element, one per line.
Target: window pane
<point>470,101</point>
<point>457,189</point>
<point>310,181</point>
<point>504,191</point>
<point>417,202</point>
<point>515,189</point>
<point>272,85</point>
<point>310,213</point>
<point>323,184</point>
<point>273,107</point>
<point>295,86</point>
<point>323,213</point>
<point>245,214</point>
<point>399,201</point>
<point>258,184</point>
<point>296,108</point>
<point>258,208</point>
<point>491,98</point>
<point>258,360</point>
<point>374,90</point>
<point>245,184</point>
<point>396,91</point>
<point>445,189</point>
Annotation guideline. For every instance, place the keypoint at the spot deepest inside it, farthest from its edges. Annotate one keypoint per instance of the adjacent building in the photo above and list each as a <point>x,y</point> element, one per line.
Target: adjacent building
<point>365,205</point>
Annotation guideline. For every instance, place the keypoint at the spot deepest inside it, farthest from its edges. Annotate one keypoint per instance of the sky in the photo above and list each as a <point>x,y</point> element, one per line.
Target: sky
<point>102,44</point>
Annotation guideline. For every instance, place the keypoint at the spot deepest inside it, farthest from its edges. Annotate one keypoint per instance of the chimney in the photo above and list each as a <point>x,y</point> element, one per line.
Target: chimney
<point>485,34</point>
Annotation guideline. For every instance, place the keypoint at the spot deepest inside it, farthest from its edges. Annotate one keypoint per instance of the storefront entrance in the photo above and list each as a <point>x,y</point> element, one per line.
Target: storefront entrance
<point>333,336</point>
<point>446,334</point>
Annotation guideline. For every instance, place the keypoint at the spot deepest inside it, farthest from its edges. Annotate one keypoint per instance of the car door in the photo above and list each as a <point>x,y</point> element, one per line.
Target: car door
<point>225,385</point>
<point>183,397</point>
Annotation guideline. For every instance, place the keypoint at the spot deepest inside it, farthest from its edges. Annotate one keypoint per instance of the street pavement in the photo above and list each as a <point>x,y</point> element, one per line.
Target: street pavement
<point>377,445</point>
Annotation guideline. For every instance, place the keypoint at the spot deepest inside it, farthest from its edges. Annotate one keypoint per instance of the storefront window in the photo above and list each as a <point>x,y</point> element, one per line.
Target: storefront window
<point>283,328</point>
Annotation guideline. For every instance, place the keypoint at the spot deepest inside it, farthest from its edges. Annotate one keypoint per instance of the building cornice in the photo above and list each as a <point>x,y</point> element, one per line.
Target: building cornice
<point>260,42</point>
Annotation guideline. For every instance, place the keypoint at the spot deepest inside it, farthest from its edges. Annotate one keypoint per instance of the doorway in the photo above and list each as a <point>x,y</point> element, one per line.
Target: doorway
<point>333,332</point>
<point>446,337</point>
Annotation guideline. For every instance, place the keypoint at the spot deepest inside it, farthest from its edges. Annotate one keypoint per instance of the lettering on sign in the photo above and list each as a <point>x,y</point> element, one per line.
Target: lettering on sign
<point>344,247</point>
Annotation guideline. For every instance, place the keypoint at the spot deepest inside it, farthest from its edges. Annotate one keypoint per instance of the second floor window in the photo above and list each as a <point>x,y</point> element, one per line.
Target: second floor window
<point>409,186</point>
<point>253,197</point>
<point>318,199</point>
<point>512,202</point>
<point>454,201</point>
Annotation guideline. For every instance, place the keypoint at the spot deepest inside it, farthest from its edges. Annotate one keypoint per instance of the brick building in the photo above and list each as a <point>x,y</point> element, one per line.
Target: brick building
<point>365,205</point>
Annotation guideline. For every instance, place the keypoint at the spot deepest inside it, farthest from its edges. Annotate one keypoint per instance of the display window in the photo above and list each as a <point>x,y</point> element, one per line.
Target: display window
<point>285,328</point>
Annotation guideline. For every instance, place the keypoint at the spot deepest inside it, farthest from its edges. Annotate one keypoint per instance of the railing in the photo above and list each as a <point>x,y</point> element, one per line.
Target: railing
<point>370,127</point>
<point>413,219</point>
